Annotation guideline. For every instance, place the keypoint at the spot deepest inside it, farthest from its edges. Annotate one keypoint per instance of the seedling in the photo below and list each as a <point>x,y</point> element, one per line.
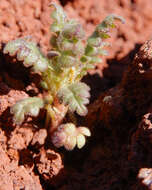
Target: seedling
<point>61,72</point>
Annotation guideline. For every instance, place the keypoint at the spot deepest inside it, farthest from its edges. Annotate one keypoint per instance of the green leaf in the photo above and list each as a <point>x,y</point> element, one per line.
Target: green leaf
<point>66,61</point>
<point>76,96</point>
<point>104,35</point>
<point>85,58</point>
<point>28,52</point>
<point>64,44</point>
<point>73,48</point>
<point>96,60</point>
<point>94,41</point>
<point>28,106</point>
<point>103,52</point>
<point>91,51</point>
<point>103,28</point>
<point>59,17</point>
<point>109,20</point>
<point>73,30</point>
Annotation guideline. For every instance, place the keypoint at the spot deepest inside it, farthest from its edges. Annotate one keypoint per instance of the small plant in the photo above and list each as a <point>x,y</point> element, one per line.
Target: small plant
<point>61,72</point>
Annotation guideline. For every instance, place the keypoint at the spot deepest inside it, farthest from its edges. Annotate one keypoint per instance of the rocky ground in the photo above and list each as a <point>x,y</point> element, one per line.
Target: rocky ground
<point>118,154</point>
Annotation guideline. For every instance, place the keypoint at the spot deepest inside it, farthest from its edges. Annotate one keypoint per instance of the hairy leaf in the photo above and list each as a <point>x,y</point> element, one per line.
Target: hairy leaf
<point>76,96</point>
<point>103,28</point>
<point>66,61</point>
<point>70,47</point>
<point>28,52</point>
<point>95,41</point>
<point>28,106</point>
<point>59,17</point>
<point>95,44</point>
<point>73,30</point>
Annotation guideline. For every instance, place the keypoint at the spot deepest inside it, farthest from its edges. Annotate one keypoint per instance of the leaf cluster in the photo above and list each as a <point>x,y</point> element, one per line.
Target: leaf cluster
<point>64,66</point>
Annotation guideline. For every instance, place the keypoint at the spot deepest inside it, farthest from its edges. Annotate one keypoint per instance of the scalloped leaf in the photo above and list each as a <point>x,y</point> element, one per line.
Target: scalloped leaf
<point>28,52</point>
<point>95,43</point>
<point>66,61</point>
<point>103,28</point>
<point>59,17</point>
<point>72,48</point>
<point>76,96</point>
<point>72,29</point>
<point>29,106</point>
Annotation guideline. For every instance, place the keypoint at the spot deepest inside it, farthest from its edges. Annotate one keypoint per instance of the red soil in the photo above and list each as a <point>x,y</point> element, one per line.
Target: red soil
<point>118,155</point>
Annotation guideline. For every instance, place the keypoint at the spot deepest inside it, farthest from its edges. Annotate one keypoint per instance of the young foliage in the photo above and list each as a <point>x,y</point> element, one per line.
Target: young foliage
<point>28,106</point>
<point>28,52</point>
<point>61,72</point>
<point>76,96</point>
<point>59,18</point>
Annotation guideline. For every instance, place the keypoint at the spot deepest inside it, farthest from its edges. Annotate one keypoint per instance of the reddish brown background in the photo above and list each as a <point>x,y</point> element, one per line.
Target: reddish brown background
<point>118,155</point>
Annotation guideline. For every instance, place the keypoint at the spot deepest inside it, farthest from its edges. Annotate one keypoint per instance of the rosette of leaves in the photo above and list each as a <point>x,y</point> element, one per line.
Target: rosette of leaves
<point>61,72</point>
